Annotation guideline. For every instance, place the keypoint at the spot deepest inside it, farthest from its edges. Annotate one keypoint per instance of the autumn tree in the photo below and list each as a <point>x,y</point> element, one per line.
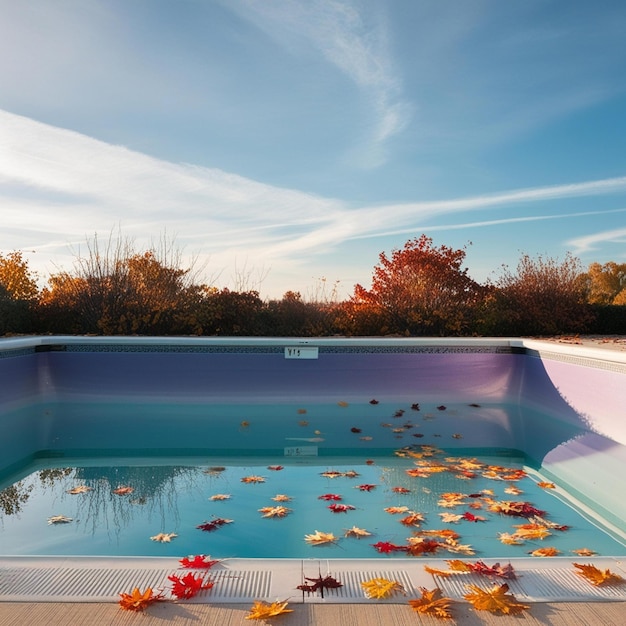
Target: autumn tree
<point>116,290</point>
<point>18,294</point>
<point>226,312</point>
<point>606,283</point>
<point>544,296</point>
<point>420,290</point>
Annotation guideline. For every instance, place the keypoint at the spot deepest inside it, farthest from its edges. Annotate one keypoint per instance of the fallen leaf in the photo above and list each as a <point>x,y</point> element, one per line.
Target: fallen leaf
<point>275,511</point>
<point>281,497</point>
<point>412,519</point>
<point>264,610</point>
<point>137,601</point>
<point>331,474</point>
<point>509,539</point>
<point>395,510</point>
<point>253,479</point>
<point>432,603</point>
<point>319,584</point>
<point>59,519</point>
<point>495,600</point>
<point>275,468</point>
<point>79,489</point>
<point>340,508</point>
<point>220,496</point>
<point>366,487</point>
<point>584,552</point>
<point>597,577</point>
<point>213,524</point>
<point>188,586</point>
<point>373,401</point>
<point>470,517</point>
<point>459,566</point>
<point>198,561</point>
<point>545,552</point>
<point>123,491</point>
<point>380,588</point>
<point>400,490</point>
<point>341,403</point>
<point>513,490</point>
<point>546,485</point>
<point>318,538</point>
<point>330,496</point>
<point>450,518</point>
<point>433,571</point>
<point>357,532</point>
<point>386,547</point>
<point>164,537</point>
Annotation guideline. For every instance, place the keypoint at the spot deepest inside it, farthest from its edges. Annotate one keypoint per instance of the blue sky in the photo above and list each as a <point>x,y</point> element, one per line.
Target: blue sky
<point>284,142</point>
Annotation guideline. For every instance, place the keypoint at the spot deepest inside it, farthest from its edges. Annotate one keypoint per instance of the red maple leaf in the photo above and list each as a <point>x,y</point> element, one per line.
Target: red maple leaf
<point>386,547</point>
<point>470,517</point>
<point>341,508</point>
<point>188,586</point>
<point>366,487</point>
<point>199,561</point>
<point>330,496</point>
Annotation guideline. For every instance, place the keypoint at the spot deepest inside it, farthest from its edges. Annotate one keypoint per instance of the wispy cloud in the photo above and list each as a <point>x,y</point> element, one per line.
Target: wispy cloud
<point>592,242</point>
<point>354,42</point>
<point>60,186</point>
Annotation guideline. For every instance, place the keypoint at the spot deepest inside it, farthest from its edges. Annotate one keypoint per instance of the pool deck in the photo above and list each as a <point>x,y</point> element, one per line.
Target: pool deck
<point>88,614</point>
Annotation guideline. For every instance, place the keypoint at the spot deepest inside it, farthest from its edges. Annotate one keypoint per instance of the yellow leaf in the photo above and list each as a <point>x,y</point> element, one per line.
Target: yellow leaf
<point>220,496</point>
<point>433,571</point>
<point>450,518</point>
<point>318,538</point>
<point>395,510</point>
<point>164,537</point>
<point>79,489</point>
<point>275,511</point>
<point>281,497</point>
<point>253,479</point>
<point>264,610</point>
<point>597,577</point>
<point>495,600</point>
<point>459,566</point>
<point>510,540</point>
<point>379,588</point>
<point>545,552</point>
<point>584,552</point>
<point>432,603</point>
<point>357,532</point>
<point>546,485</point>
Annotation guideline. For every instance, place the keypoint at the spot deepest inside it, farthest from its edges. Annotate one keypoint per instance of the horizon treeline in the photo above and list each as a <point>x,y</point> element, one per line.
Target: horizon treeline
<point>417,290</point>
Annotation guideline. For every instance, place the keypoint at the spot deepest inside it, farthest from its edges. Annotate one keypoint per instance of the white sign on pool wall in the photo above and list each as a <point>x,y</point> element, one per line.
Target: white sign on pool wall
<point>301,352</point>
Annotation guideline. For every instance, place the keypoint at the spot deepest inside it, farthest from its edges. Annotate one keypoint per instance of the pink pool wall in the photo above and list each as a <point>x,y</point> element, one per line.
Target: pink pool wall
<point>577,387</point>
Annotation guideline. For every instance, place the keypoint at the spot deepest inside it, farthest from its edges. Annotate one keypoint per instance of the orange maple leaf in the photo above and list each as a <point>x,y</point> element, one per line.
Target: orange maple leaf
<point>137,601</point>
<point>495,600</point>
<point>432,603</point>
<point>263,610</point>
<point>597,577</point>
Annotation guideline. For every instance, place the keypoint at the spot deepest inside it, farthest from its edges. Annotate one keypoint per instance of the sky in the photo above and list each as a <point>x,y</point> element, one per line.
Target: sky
<point>284,144</point>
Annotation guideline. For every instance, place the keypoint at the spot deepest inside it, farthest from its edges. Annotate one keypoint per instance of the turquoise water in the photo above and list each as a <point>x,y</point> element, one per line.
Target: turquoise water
<point>174,496</point>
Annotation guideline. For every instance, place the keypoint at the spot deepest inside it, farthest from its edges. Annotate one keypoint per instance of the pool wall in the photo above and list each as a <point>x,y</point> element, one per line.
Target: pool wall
<point>566,404</point>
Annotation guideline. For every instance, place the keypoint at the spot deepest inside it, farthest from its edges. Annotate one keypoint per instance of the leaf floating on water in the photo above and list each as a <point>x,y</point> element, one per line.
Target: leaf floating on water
<point>509,539</point>
<point>470,517</point>
<point>189,585</point>
<point>450,518</point>
<point>253,479</point>
<point>220,496</point>
<point>198,561</point>
<point>331,474</point>
<point>264,611</point>
<point>395,510</point>
<point>275,511</point>
<point>380,588</point>
<point>359,533</point>
<point>495,600</point>
<point>354,429</point>
<point>546,485</point>
<point>432,603</point>
<point>303,423</point>
<point>441,407</point>
<point>59,519</point>
<point>366,438</point>
<point>373,401</point>
<point>342,404</point>
<point>164,537</point>
<point>281,497</point>
<point>319,538</point>
<point>351,474</point>
<point>386,547</point>
<point>79,489</point>
<point>597,577</point>
<point>330,496</point>
<point>137,601</point>
<point>400,490</point>
<point>213,524</point>
<point>584,552</point>
<point>123,491</point>
<point>340,508</point>
<point>275,468</point>
<point>513,490</point>
<point>545,552</point>
<point>301,411</point>
<point>412,519</point>
<point>366,487</point>
<point>214,471</point>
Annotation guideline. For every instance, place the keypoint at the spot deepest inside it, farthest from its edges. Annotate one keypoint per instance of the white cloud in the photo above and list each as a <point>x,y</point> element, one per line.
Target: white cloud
<point>591,242</point>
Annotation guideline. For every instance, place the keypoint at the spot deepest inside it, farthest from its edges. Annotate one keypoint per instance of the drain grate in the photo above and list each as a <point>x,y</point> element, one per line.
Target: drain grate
<point>105,584</point>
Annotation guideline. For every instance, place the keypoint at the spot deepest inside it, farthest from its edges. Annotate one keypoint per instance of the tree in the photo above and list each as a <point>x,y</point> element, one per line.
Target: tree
<point>606,283</point>
<point>18,294</point>
<point>544,296</point>
<point>420,290</point>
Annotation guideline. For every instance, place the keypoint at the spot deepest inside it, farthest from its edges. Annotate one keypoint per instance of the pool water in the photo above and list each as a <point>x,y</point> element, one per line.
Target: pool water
<point>120,504</point>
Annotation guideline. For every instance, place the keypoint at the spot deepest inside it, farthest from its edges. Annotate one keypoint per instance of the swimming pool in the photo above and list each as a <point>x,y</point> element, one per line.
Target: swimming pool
<point>69,402</point>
